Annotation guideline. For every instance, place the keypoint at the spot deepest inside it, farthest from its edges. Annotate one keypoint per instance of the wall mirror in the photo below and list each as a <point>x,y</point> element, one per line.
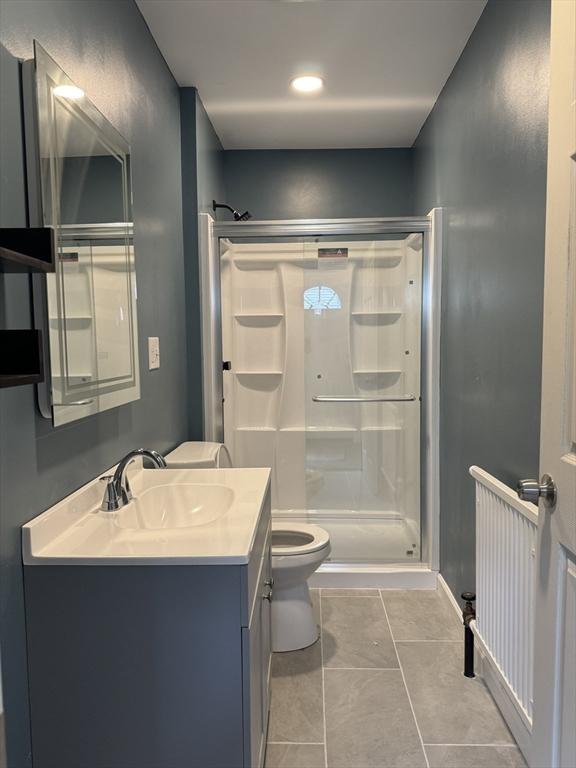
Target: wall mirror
<point>79,184</point>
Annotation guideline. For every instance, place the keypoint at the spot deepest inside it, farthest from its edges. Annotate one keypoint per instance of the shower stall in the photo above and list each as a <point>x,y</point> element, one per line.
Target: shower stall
<point>320,361</point>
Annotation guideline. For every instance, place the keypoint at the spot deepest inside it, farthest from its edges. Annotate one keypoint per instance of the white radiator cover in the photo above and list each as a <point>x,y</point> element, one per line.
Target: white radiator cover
<point>506,536</point>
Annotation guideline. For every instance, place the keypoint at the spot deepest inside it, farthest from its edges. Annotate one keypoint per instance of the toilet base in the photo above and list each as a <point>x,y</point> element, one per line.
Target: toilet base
<point>293,622</point>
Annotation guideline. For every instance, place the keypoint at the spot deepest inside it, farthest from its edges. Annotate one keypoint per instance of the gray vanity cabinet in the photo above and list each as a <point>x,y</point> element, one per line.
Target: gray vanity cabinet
<point>163,666</point>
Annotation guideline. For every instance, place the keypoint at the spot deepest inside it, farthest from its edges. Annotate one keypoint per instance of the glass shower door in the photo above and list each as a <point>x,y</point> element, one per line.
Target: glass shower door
<point>362,304</point>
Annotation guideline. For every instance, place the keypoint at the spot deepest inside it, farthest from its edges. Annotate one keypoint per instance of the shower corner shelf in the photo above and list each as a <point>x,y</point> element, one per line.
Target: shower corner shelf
<point>375,312</point>
<point>247,263</point>
<point>256,429</point>
<point>259,373</point>
<point>390,316</point>
<point>72,321</point>
<point>383,428</point>
<point>376,371</point>
<point>318,430</point>
<point>259,314</point>
<point>259,319</point>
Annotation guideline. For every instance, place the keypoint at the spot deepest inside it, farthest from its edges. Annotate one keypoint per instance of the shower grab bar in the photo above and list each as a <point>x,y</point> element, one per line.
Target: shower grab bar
<point>338,399</point>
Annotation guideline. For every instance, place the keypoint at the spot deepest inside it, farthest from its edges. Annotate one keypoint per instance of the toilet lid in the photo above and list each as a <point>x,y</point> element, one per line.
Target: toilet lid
<point>297,538</point>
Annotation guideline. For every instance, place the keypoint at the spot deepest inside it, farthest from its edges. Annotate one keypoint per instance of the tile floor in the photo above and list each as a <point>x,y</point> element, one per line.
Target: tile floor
<point>383,688</point>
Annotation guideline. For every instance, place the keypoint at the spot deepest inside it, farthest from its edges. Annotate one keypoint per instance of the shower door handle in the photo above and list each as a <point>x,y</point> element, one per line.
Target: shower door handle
<point>344,399</point>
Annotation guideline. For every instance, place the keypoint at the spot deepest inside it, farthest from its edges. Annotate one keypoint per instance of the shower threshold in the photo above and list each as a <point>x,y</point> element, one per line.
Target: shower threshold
<point>369,549</point>
<point>391,576</point>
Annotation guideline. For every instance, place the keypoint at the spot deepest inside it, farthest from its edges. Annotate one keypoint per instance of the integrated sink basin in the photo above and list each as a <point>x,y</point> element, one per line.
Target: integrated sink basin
<point>176,517</point>
<point>176,505</point>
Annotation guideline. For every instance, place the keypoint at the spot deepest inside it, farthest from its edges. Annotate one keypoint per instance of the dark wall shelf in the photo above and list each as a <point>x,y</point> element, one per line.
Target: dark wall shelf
<point>27,249</point>
<point>20,358</point>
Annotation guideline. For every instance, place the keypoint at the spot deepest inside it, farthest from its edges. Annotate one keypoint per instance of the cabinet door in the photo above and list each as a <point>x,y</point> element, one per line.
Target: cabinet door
<point>256,661</point>
<point>266,634</point>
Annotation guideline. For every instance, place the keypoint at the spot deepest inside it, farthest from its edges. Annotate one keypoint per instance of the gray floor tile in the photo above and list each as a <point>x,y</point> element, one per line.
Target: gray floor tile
<point>356,633</point>
<point>449,708</point>
<point>475,757</point>
<point>349,592</point>
<point>421,614</point>
<point>369,722</point>
<point>296,698</point>
<point>295,756</point>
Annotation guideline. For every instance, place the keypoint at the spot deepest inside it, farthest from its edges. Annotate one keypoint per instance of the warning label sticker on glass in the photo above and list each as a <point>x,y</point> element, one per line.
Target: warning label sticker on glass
<point>332,253</point>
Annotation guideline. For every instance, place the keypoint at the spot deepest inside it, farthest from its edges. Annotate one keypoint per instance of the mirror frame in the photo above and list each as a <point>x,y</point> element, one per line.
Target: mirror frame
<point>40,74</point>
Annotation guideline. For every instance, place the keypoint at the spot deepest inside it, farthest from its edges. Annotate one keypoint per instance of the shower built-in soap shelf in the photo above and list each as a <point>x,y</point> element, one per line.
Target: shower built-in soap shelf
<point>258,373</point>
<point>383,428</point>
<point>247,263</point>
<point>319,430</point>
<point>376,381</point>
<point>382,372</point>
<point>256,429</point>
<point>259,319</point>
<point>72,322</point>
<point>384,317</point>
<point>305,262</point>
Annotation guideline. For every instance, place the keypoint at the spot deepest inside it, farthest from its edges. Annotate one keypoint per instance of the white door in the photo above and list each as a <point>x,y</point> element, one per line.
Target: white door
<point>554,727</point>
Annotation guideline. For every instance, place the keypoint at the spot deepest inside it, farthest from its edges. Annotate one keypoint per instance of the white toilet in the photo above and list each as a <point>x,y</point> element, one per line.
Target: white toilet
<point>298,549</point>
<point>199,455</point>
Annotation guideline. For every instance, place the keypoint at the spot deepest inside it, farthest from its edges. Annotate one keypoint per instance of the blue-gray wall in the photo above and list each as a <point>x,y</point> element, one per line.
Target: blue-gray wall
<point>106,48</point>
<point>323,184</point>
<point>482,155</point>
<point>202,182</point>
<point>210,162</point>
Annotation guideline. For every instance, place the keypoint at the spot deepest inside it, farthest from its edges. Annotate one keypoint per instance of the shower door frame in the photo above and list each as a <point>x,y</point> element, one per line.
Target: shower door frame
<point>399,575</point>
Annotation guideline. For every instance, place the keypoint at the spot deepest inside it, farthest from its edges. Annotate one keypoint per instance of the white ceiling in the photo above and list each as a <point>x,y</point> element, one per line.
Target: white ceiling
<point>384,64</point>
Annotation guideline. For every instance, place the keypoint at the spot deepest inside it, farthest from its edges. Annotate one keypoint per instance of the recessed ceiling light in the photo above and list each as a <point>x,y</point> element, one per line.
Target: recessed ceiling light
<point>307,83</point>
<point>68,92</point>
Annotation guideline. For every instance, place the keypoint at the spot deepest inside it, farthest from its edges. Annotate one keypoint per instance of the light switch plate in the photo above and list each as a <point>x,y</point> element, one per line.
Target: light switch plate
<point>153,352</point>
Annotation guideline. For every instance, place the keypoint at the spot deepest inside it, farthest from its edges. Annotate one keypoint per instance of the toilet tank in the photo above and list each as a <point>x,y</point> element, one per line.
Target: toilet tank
<point>196,455</point>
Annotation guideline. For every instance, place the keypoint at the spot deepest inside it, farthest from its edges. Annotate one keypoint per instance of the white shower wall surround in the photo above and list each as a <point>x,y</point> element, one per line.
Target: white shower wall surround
<point>339,318</point>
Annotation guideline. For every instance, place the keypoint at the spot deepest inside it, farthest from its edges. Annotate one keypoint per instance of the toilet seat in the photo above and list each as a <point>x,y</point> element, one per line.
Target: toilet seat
<point>292,539</point>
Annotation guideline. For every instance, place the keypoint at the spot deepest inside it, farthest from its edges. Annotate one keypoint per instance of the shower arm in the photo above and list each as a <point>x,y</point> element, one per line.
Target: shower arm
<point>236,214</point>
<point>343,399</point>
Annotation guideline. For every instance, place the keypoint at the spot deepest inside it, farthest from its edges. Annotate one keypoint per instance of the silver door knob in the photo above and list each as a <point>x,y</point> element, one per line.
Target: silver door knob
<point>533,491</point>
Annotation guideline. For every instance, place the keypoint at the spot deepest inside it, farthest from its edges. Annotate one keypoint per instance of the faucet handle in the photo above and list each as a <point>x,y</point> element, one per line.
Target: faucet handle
<point>110,500</point>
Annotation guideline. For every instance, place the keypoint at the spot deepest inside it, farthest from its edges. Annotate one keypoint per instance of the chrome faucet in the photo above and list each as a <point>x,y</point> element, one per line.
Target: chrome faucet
<point>118,491</point>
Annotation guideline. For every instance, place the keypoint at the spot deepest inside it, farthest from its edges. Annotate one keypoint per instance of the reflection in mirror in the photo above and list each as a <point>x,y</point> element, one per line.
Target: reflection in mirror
<point>85,194</point>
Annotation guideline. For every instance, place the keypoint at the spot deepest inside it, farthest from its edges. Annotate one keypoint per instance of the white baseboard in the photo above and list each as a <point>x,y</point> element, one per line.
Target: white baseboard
<point>448,592</point>
<point>384,577</point>
<point>487,669</point>
<point>511,711</point>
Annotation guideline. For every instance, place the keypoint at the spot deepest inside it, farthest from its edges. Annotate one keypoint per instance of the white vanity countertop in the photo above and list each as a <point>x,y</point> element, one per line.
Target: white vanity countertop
<point>178,517</point>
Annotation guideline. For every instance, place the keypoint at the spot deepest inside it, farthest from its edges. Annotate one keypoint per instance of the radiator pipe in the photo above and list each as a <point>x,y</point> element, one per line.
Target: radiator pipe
<point>468,615</point>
